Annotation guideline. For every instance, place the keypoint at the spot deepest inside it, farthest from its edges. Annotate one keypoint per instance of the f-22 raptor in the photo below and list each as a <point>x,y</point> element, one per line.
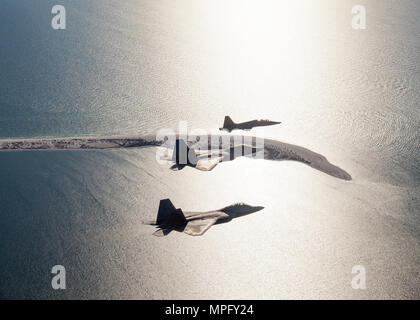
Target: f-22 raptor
<point>229,125</point>
<point>195,223</point>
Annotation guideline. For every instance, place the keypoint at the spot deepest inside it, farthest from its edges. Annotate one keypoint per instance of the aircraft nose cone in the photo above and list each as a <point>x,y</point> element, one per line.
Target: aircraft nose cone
<point>258,208</point>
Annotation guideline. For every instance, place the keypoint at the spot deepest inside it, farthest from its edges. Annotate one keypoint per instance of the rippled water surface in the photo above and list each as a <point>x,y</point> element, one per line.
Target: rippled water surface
<point>133,67</point>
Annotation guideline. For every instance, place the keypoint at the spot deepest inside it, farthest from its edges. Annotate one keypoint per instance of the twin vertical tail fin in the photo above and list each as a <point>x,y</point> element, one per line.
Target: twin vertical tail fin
<point>169,217</point>
<point>183,155</point>
<point>165,209</point>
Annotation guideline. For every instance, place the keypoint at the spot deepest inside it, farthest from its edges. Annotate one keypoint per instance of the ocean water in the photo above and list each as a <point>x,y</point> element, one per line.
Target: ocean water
<point>134,67</point>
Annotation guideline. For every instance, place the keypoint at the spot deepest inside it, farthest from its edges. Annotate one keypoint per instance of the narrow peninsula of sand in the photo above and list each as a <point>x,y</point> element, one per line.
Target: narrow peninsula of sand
<point>273,150</point>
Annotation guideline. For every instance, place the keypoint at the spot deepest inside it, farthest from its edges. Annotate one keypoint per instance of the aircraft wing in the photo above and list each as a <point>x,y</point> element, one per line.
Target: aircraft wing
<point>207,164</point>
<point>198,227</point>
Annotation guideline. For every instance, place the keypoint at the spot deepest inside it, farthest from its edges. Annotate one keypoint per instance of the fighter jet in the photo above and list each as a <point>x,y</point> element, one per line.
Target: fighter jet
<point>195,223</point>
<point>205,160</point>
<point>229,125</point>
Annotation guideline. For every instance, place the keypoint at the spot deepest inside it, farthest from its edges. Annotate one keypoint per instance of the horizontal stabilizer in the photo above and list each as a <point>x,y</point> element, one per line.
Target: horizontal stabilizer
<point>162,232</point>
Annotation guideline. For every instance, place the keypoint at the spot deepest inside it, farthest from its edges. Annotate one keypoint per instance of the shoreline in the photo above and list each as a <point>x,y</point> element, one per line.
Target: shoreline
<point>273,150</point>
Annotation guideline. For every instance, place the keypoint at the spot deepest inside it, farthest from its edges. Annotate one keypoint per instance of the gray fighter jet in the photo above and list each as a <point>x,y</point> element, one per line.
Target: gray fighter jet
<point>205,160</point>
<point>229,125</point>
<point>195,223</point>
